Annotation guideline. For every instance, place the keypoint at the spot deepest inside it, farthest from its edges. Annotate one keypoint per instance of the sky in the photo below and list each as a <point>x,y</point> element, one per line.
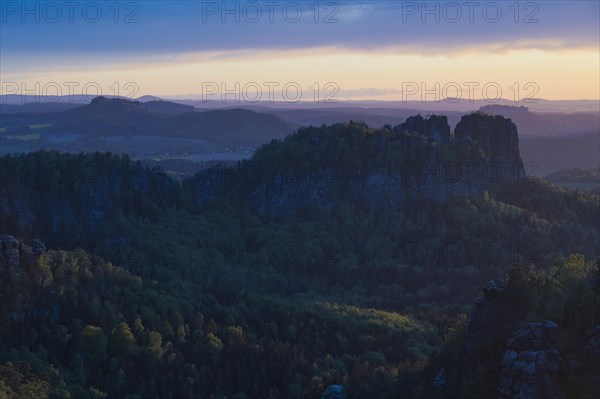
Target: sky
<point>303,50</point>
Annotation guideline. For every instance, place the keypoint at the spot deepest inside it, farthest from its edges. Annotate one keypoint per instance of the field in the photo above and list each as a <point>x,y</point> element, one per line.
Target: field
<point>41,126</point>
<point>24,137</point>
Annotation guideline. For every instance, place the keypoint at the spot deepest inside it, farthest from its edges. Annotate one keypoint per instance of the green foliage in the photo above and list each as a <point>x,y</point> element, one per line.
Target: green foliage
<point>122,339</point>
<point>218,302</point>
<point>568,293</point>
<point>95,342</point>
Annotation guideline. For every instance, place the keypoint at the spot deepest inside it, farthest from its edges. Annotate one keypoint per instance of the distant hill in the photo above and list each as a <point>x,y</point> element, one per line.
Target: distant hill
<point>554,141</point>
<point>550,154</point>
<point>148,98</point>
<point>550,141</point>
<point>167,107</point>
<point>106,117</point>
<point>233,126</point>
<point>545,124</point>
<point>575,175</point>
<point>376,117</point>
<point>577,179</point>
<point>19,99</point>
<point>441,106</point>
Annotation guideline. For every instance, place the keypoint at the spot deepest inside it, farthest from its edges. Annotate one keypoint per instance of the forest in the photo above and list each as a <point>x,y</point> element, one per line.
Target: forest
<point>145,291</point>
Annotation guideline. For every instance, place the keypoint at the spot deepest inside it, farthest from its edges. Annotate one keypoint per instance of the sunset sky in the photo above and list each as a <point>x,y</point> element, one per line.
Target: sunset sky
<point>369,50</point>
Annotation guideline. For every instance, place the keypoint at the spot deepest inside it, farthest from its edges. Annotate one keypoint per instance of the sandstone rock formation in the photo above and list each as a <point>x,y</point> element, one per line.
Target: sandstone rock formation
<point>435,127</point>
<point>497,137</point>
<point>532,366</point>
<point>525,359</point>
<point>485,149</point>
<point>14,255</point>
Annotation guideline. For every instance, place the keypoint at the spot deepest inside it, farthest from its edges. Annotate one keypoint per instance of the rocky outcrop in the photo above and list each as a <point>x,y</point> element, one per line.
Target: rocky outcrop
<point>523,359</point>
<point>497,137</point>
<point>532,366</point>
<point>19,272</point>
<point>493,321</point>
<point>487,332</point>
<point>484,151</point>
<point>14,255</point>
<point>334,392</point>
<point>9,257</point>
<point>435,127</point>
<point>38,247</point>
<point>102,99</point>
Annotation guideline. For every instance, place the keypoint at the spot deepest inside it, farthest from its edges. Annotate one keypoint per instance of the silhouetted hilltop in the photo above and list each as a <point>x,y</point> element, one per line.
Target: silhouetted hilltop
<point>114,117</point>
<point>317,168</point>
<point>575,175</point>
<point>167,107</point>
<point>106,116</point>
<point>545,124</point>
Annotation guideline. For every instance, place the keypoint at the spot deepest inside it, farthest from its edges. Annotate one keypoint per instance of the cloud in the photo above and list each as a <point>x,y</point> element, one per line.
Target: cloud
<point>350,41</point>
<point>371,92</point>
<point>166,29</point>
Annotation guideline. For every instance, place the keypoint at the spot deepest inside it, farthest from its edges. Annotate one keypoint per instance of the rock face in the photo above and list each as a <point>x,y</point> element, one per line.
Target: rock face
<point>498,138</point>
<point>483,335</point>
<point>9,259</point>
<point>334,392</point>
<point>525,360</point>
<point>14,254</point>
<point>532,366</point>
<point>493,322</point>
<point>17,269</point>
<point>38,247</point>
<point>435,127</point>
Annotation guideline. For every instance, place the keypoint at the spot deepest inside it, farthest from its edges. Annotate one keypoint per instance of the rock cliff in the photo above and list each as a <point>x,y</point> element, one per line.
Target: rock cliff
<point>532,366</point>
<point>435,127</point>
<point>317,168</point>
<point>523,358</point>
<point>14,255</point>
<point>497,137</point>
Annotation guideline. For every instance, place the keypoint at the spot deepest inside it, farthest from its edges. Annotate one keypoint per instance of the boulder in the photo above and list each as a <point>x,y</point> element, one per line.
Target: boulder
<point>334,392</point>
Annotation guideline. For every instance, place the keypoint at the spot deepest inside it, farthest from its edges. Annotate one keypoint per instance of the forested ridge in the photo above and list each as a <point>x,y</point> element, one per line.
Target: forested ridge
<point>146,291</point>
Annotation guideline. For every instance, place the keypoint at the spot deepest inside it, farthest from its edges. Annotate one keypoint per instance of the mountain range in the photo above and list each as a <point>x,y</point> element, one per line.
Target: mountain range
<point>152,128</point>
